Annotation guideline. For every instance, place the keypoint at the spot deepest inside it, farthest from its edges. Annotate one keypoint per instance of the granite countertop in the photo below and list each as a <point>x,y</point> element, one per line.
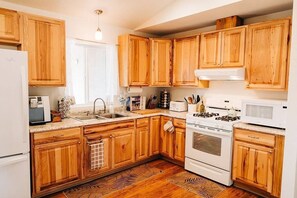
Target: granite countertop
<point>258,128</point>
<point>73,122</point>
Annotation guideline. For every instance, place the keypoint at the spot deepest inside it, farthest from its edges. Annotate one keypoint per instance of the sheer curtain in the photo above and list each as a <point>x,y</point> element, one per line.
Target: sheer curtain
<point>92,71</point>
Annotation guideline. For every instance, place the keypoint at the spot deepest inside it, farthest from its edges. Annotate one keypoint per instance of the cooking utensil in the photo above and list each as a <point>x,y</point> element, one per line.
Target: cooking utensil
<point>186,99</point>
<point>193,98</point>
<point>198,99</point>
<point>190,100</point>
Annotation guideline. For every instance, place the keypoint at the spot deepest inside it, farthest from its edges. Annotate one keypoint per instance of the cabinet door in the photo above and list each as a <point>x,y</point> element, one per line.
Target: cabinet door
<point>185,61</point>
<point>233,47</point>
<point>253,165</point>
<point>179,148</point>
<point>88,141</point>
<point>166,139</point>
<point>56,163</point>
<point>154,135</point>
<point>123,148</point>
<point>9,26</point>
<point>161,60</point>
<point>142,144</point>
<point>210,50</point>
<point>44,39</point>
<point>138,61</point>
<point>267,51</point>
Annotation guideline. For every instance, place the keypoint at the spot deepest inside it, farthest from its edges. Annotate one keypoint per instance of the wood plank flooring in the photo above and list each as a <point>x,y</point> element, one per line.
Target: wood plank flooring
<point>158,186</point>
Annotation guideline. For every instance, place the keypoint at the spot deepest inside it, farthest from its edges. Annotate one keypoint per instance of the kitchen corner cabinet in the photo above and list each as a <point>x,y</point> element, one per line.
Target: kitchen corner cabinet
<point>179,143</point>
<point>161,62</point>
<point>224,48</point>
<point>142,139</point>
<point>134,60</point>
<point>9,26</point>
<point>166,139</point>
<point>154,137</point>
<point>257,160</point>
<point>267,55</point>
<point>185,61</point>
<point>44,39</point>
<point>56,158</point>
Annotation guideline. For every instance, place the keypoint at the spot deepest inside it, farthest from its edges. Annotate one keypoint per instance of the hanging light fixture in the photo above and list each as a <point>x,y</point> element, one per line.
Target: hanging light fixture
<point>98,33</point>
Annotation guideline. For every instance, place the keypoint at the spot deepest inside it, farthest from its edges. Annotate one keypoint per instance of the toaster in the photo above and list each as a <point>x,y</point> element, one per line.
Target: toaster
<point>178,106</point>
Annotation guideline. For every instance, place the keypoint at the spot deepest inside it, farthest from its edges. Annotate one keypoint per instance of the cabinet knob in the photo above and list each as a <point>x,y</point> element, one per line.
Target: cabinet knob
<point>111,136</point>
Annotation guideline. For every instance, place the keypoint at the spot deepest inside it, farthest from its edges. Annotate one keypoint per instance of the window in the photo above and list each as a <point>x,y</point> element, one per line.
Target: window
<point>92,72</point>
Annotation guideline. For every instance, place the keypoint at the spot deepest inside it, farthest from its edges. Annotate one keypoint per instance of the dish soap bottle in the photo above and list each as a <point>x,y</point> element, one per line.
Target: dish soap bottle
<point>202,107</point>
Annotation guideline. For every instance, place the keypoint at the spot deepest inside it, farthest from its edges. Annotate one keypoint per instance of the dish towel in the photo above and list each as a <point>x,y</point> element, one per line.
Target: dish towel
<point>97,155</point>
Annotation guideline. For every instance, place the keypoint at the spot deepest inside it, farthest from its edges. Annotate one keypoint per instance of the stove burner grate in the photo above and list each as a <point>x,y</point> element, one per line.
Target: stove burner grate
<point>205,114</point>
<point>228,118</point>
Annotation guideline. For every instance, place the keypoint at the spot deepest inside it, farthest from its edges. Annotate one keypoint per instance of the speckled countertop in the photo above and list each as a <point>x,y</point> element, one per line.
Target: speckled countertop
<point>72,122</point>
<point>258,128</point>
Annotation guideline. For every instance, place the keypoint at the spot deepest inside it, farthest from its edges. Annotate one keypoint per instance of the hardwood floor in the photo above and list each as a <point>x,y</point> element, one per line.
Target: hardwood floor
<point>159,186</point>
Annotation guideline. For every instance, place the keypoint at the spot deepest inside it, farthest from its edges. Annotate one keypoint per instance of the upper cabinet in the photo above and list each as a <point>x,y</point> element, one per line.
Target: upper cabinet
<point>185,61</point>
<point>224,48</point>
<point>267,53</point>
<point>161,62</point>
<point>9,26</point>
<point>134,61</point>
<point>44,39</point>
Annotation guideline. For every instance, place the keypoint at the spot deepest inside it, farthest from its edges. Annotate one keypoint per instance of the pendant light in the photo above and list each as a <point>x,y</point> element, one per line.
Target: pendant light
<point>98,33</point>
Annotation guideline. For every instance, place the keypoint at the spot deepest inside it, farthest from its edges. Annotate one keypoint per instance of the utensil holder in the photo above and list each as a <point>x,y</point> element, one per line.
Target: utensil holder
<point>192,108</point>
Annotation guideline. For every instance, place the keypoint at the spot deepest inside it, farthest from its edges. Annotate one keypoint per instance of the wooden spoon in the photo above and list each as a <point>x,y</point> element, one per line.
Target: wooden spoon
<point>190,100</point>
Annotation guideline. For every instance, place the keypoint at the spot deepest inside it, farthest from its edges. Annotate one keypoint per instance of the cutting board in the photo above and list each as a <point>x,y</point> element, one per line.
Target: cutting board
<point>147,111</point>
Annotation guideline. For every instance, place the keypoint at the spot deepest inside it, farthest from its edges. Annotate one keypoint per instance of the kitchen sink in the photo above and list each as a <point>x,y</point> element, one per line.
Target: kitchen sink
<point>112,115</point>
<point>89,117</point>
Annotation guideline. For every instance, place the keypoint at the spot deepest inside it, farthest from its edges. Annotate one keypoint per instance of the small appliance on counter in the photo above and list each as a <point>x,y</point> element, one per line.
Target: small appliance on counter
<point>39,110</point>
<point>152,102</point>
<point>164,99</point>
<point>178,106</point>
<point>135,103</point>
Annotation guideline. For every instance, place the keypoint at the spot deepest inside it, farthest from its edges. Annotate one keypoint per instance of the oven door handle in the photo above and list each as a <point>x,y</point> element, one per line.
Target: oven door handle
<point>206,131</point>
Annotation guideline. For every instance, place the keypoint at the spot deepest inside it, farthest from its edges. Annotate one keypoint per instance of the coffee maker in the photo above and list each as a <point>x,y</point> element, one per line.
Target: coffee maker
<point>39,110</point>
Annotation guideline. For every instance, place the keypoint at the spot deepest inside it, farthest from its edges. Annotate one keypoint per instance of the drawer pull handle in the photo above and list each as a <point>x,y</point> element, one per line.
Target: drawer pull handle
<point>253,137</point>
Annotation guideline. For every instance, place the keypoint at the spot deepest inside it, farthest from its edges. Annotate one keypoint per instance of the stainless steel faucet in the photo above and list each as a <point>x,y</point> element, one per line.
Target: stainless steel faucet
<point>94,107</point>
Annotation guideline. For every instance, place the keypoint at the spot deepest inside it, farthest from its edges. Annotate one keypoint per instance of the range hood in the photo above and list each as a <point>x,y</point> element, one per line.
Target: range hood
<point>220,74</point>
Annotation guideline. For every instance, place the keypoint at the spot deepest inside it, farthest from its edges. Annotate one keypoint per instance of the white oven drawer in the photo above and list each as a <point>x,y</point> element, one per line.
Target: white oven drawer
<point>216,174</point>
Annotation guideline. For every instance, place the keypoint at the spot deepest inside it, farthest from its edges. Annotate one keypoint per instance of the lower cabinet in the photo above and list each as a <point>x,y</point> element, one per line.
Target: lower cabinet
<point>56,158</point>
<point>166,139</point>
<point>118,141</point>
<point>257,161</point>
<point>142,139</point>
<point>179,145</point>
<point>154,135</point>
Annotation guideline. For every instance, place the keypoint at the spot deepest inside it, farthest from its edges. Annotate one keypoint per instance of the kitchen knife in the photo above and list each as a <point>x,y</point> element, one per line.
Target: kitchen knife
<point>198,99</point>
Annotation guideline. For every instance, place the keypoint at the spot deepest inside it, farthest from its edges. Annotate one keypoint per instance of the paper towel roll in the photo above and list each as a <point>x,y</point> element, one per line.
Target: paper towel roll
<point>134,90</point>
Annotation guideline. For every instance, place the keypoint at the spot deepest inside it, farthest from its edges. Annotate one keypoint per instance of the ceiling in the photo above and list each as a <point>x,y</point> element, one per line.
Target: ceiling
<point>160,17</point>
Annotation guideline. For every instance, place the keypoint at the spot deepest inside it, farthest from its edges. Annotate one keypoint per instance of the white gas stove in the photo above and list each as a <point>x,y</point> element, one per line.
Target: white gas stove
<point>209,140</point>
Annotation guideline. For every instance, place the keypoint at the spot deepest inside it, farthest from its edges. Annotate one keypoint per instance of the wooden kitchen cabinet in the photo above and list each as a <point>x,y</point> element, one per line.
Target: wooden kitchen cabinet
<point>223,48</point>
<point>166,139</point>
<point>142,139</point>
<point>9,26</point>
<point>154,142</point>
<point>56,158</point>
<point>161,62</point>
<point>267,55</point>
<point>257,161</point>
<point>180,134</point>
<point>134,60</point>
<point>44,39</point>
<point>185,62</point>
<point>105,137</point>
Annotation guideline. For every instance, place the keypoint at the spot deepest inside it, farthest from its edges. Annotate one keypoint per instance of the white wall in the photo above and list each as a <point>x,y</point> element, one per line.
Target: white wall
<point>289,179</point>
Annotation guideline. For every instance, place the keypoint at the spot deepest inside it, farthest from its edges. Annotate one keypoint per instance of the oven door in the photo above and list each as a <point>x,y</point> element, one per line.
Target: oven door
<point>210,147</point>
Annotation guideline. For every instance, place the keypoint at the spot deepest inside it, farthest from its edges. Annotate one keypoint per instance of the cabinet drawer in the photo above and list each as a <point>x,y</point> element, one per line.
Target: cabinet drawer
<point>57,135</point>
<point>143,122</point>
<point>255,137</point>
<point>109,127</point>
<point>180,123</point>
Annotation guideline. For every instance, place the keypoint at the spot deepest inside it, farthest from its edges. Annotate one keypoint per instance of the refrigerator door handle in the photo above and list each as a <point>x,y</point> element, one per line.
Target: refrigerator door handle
<point>12,160</point>
<point>25,103</point>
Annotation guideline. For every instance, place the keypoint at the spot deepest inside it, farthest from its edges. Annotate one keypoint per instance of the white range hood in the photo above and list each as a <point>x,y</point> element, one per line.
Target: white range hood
<point>220,74</point>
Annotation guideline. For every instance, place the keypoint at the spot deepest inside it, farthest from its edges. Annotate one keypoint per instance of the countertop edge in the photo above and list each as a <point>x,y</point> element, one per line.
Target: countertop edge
<point>261,129</point>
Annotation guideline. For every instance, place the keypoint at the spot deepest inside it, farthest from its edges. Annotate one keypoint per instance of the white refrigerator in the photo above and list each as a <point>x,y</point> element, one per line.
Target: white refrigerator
<point>14,125</point>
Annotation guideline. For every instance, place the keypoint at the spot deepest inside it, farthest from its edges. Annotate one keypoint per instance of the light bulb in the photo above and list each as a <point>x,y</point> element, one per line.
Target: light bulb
<point>98,35</point>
